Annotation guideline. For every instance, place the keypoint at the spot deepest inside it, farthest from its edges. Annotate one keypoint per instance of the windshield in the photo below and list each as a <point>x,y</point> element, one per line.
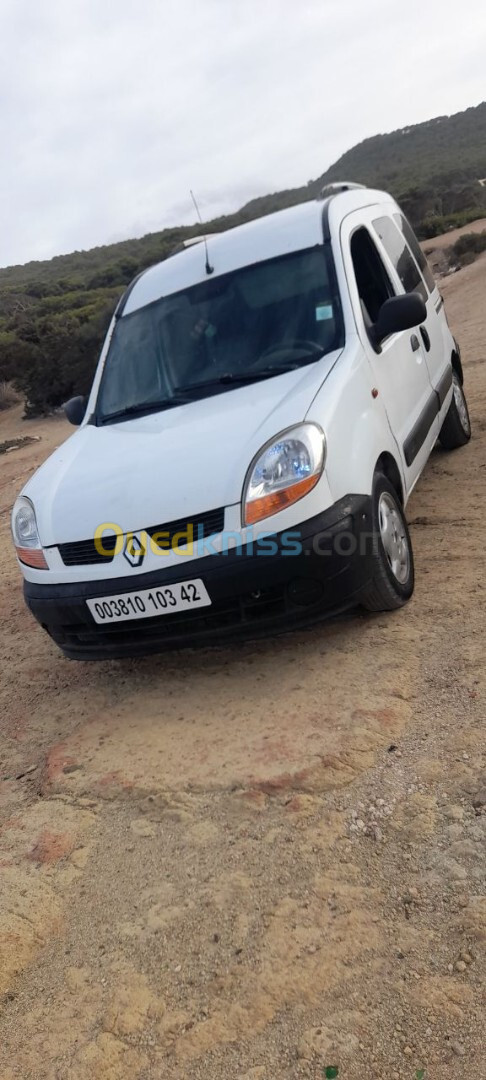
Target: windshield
<point>254,323</point>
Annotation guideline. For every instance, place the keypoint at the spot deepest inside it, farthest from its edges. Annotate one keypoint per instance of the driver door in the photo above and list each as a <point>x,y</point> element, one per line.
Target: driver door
<point>399,370</point>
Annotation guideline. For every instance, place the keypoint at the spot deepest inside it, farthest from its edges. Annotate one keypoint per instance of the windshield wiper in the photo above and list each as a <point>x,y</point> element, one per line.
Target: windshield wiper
<point>146,407</point>
<point>187,394</point>
<point>235,379</point>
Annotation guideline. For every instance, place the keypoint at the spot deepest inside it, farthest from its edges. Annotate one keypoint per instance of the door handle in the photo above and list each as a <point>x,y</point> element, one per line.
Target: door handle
<point>415,343</point>
<point>425,338</point>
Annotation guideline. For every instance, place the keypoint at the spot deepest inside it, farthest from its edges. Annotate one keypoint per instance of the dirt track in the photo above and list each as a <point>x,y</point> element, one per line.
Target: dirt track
<point>260,862</point>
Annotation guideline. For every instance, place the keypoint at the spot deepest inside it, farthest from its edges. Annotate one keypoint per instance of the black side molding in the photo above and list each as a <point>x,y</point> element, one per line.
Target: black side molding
<point>443,386</point>
<point>422,426</point>
<point>421,429</point>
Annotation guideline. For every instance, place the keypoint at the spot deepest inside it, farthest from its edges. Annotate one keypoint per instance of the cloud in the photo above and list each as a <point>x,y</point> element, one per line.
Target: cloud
<point>111,112</point>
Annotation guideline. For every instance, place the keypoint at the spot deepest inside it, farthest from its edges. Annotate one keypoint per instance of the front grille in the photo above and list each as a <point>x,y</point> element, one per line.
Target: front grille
<point>204,525</point>
<point>84,553</point>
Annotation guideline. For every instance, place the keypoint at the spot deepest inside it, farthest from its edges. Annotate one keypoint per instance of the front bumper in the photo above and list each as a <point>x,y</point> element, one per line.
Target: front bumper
<point>252,594</point>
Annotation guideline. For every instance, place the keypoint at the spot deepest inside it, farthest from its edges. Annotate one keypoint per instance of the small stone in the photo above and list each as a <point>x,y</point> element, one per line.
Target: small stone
<point>460,965</point>
<point>360,823</point>
<point>407,1050</point>
<point>479,799</point>
<point>455,870</point>
<point>466,957</point>
<point>465,849</point>
<point>428,1032</point>
<point>377,833</point>
<point>178,967</point>
<point>458,1049</point>
<point>450,967</point>
<point>142,828</point>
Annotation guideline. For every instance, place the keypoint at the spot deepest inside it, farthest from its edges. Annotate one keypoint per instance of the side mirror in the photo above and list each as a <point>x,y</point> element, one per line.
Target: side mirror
<point>75,409</point>
<point>399,313</point>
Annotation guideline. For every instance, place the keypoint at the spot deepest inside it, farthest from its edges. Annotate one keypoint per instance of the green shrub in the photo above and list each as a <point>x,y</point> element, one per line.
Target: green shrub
<point>470,242</point>
<point>436,224</point>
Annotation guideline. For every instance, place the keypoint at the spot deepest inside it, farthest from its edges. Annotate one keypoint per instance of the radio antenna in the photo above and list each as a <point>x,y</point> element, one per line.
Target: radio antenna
<point>209,268</point>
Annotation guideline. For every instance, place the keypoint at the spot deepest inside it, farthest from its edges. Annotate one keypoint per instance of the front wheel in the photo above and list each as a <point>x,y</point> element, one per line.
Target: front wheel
<point>392,579</point>
<point>456,429</point>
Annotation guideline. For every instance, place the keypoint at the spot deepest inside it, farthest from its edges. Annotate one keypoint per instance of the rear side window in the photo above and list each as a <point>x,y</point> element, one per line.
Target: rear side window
<point>400,255</point>
<point>416,250</point>
<point>374,285</point>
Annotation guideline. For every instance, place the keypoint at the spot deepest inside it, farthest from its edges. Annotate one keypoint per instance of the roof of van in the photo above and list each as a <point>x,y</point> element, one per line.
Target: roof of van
<point>282,232</point>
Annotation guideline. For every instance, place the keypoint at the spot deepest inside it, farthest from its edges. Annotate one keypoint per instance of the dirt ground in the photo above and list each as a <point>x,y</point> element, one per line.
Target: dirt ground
<point>449,238</point>
<point>437,249</point>
<point>259,863</point>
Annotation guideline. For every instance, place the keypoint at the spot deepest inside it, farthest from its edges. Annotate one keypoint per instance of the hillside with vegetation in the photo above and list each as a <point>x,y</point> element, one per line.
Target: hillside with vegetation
<point>53,314</point>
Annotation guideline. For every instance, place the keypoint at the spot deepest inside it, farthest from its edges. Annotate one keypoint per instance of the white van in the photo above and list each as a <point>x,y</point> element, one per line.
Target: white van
<point>264,403</point>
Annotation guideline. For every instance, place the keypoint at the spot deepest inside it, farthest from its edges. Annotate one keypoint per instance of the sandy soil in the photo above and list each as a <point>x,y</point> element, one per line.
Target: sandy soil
<point>437,248</point>
<point>260,862</point>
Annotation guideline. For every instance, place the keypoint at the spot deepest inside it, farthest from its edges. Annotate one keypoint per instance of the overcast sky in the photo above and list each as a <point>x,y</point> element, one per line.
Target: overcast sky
<point>110,110</point>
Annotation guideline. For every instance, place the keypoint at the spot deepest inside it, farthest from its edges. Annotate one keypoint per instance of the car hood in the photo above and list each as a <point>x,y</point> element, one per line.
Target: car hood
<point>159,468</point>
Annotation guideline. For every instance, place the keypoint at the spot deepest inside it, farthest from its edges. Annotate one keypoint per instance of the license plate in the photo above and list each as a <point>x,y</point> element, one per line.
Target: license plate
<point>147,603</point>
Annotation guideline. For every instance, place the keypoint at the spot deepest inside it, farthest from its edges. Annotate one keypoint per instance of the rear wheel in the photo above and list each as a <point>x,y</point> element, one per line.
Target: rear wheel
<point>392,578</point>
<point>456,429</point>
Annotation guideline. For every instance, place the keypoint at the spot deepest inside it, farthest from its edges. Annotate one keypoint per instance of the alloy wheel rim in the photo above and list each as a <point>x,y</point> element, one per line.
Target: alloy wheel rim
<point>394,538</point>
<point>460,403</point>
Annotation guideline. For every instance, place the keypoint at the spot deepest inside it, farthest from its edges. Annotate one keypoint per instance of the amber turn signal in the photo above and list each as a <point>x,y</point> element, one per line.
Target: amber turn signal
<point>278,500</point>
<point>32,557</point>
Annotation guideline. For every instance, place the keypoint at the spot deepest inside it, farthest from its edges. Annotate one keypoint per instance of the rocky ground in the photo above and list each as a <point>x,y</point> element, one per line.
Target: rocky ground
<point>265,862</point>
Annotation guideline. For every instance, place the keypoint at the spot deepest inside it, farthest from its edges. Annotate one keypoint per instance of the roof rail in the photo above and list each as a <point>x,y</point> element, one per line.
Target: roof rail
<point>337,187</point>
<point>184,244</point>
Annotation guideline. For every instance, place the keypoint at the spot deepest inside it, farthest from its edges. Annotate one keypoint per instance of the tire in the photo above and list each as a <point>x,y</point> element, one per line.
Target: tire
<point>456,428</point>
<point>392,580</point>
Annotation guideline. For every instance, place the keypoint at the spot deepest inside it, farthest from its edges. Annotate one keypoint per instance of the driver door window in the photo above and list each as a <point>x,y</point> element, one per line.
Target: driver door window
<point>374,285</point>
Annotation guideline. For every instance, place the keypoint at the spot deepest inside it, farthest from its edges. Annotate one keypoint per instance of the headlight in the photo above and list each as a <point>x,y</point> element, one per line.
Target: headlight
<point>26,536</point>
<point>283,471</point>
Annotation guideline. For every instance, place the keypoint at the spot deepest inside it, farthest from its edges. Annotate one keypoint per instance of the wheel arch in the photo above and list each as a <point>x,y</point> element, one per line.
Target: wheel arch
<point>387,465</point>
<point>457,362</point>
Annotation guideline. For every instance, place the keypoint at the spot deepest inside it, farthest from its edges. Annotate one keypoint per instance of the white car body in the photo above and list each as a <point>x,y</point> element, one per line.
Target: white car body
<point>175,464</point>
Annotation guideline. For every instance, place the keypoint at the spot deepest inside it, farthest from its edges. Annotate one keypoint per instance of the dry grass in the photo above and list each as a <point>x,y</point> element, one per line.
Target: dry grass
<point>8,396</point>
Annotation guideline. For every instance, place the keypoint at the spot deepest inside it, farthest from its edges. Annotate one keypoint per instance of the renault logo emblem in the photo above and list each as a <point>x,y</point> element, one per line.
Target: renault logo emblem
<point>134,550</point>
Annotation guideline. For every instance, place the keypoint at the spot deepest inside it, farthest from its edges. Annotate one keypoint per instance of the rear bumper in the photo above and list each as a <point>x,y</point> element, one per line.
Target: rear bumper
<point>252,594</point>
